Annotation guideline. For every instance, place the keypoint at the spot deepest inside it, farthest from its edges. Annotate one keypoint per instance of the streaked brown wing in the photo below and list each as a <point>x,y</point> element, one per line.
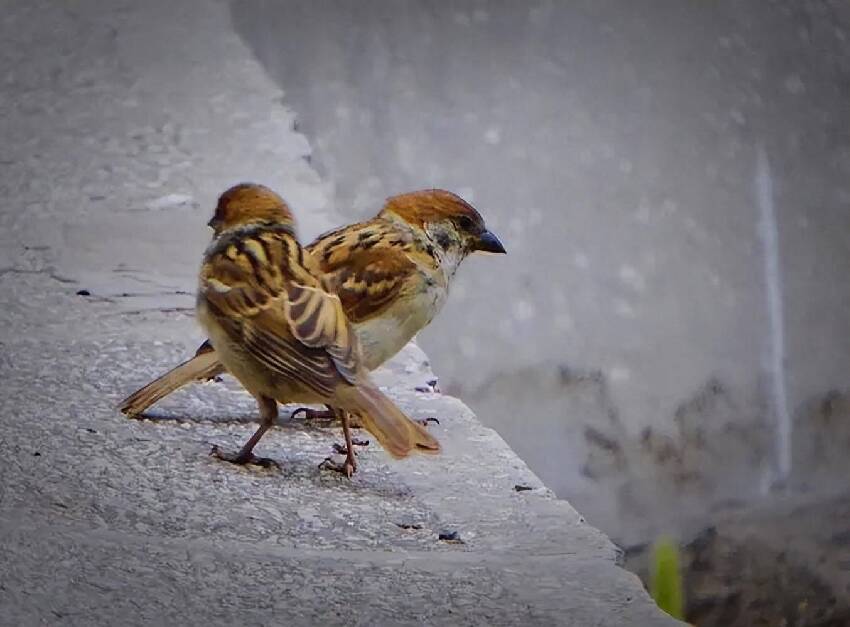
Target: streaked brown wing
<point>318,321</point>
<point>366,264</point>
<point>372,283</point>
<point>282,316</point>
<point>269,339</point>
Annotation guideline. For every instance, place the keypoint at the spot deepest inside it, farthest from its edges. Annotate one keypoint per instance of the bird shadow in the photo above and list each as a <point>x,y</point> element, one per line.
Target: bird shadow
<point>285,420</point>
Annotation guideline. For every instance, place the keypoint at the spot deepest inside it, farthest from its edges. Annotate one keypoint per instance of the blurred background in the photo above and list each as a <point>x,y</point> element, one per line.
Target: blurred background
<point>668,340</point>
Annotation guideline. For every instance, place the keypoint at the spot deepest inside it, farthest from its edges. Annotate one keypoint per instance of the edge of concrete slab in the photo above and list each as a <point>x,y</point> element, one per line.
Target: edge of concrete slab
<point>111,521</point>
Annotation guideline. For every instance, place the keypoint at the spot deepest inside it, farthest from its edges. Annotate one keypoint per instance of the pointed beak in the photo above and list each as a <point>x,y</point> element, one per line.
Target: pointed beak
<point>489,243</point>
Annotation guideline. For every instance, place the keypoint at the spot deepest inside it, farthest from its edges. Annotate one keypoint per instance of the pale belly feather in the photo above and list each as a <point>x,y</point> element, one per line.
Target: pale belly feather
<point>383,337</point>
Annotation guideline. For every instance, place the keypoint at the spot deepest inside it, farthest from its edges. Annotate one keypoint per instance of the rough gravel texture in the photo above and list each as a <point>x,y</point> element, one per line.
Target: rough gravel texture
<point>121,124</point>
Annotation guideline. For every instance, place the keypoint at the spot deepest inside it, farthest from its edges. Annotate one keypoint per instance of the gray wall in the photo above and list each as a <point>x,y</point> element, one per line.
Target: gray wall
<point>613,146</point>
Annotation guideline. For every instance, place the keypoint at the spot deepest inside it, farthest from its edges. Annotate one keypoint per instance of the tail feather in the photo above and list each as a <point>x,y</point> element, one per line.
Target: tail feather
<point>397,433</point>
<point>204,365</point>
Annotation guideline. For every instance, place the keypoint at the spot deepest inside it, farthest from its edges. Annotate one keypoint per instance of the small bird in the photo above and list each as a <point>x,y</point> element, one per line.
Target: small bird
<point>392,274</point>
<point>279,328</point>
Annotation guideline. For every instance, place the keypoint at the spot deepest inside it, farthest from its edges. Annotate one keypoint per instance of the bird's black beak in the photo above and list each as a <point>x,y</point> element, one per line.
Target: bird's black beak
<point>489,243</point>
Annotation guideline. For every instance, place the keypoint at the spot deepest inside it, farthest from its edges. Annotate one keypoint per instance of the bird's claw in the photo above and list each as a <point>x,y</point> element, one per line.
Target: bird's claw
<point>424,421</point>
<point>244,460</point>
<point>343,450</point>
<point>347,468</point>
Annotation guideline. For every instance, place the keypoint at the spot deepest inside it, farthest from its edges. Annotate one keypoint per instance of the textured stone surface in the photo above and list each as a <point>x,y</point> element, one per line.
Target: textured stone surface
<point>107,520</point>
<point>120,127</point>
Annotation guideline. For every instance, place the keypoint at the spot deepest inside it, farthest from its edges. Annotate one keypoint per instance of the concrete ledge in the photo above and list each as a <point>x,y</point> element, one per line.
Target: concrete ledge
<point>117,138</point>
<point>107,520</point>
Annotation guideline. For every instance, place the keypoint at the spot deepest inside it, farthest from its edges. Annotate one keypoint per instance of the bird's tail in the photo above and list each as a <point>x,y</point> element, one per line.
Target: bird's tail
<point>204,365</point>
<point>397,433</point>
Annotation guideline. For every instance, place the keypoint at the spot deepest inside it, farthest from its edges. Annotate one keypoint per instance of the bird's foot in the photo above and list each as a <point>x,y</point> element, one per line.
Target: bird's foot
<point>424,421</point>
<point>341,449</point>
<point>242,459</point>
<point>347,468</point>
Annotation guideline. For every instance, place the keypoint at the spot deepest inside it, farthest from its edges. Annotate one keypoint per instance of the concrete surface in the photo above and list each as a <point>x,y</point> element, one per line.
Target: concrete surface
<point>614,148</point>
<point>121,124</point>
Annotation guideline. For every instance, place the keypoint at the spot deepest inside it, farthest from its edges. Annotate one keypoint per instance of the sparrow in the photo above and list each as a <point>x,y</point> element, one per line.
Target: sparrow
<point>392,274</point>
<point>278,326</point>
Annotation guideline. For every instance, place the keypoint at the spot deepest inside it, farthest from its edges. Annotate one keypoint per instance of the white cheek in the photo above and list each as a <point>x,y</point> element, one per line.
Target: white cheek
<point>450,260</point>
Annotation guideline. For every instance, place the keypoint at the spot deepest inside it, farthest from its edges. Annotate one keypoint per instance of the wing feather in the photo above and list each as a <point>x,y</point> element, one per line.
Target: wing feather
<point>367,265</point>
<point>282,315</point>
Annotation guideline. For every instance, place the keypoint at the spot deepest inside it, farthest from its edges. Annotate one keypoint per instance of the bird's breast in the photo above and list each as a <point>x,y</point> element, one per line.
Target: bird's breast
<point>385,335</point>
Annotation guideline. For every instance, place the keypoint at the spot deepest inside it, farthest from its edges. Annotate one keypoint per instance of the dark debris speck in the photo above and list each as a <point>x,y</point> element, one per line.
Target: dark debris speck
<point>452,537</point>
<point>341,449</point>
<point>431,386</point>
<point>83,293</point>
<point>522,488</point>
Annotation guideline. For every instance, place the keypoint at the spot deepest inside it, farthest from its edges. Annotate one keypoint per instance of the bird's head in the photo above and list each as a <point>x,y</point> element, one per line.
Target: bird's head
<point>247,204</point>
<point>449,222</point>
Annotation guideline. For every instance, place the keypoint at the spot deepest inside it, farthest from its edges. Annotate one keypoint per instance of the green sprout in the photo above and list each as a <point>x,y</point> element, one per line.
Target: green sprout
<point>665,579</point>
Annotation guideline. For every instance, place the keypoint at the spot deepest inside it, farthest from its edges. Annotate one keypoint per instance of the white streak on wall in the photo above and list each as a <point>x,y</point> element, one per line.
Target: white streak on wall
<point>769,233</point>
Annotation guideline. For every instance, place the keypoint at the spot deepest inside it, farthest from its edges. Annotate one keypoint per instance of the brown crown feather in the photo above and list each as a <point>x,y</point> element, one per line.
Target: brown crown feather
<point>431,205</point>
<point>247,203</point>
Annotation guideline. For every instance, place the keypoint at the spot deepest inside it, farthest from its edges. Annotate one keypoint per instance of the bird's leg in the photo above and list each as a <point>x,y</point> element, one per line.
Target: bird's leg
<point>325,415</point>
<point>350,465</point>
<point>268,416</point>
<point>350,462</point>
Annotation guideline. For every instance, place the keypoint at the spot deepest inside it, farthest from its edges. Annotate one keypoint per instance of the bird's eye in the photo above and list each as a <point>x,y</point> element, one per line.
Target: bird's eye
<point>465,223</point>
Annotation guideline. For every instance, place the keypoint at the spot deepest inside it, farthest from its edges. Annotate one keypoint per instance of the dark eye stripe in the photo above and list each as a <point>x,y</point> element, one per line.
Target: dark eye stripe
<point>466,223</point>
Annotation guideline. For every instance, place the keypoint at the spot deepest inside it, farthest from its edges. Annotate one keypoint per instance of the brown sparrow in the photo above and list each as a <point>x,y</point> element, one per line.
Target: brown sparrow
<point>391,273</point>
<point>279,328</point>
